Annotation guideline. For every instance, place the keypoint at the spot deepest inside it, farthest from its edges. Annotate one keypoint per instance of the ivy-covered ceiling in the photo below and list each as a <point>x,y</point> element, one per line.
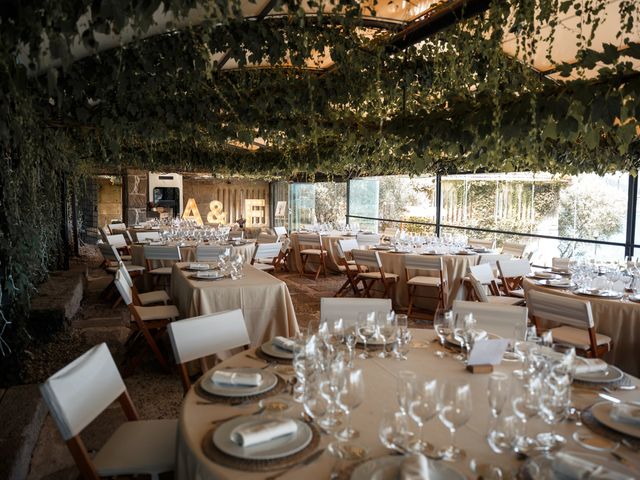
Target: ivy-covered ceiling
<point>344,87</point>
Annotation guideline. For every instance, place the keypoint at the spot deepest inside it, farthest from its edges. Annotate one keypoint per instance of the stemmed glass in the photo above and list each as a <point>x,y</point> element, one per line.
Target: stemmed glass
<point>366,328</point>
<point>442,324</point>
<point>403,337</point>
<point>332,333</point>
<point>525,400</point>
<point>405,389</point>
<point>350,339</point>
<point>469,332</point>
<point>459,335</point>
<point>394,431</point>
<point>422,408</point>
<point>350,397</point>
<point>555,399</point>
<point>454,410</point>
<point>498,388</point>
<point>386,329</point>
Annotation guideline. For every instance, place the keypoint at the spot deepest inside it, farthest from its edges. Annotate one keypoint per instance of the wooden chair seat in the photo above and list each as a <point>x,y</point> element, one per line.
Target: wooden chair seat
<point>157,296</point>
<point>161,271</point>
<point>424,281</point>
<point>312,251</point>
<point>130,268</point>
<point>578,337</point>
<point>378,276</point>
<point>157,312</point>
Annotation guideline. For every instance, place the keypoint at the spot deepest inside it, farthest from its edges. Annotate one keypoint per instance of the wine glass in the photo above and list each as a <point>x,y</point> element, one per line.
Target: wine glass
<point>454,410</point>
<point>555,399</point>
<point>403,344</point>
<point>525,400</point>
<point>498,389</point>
<point>442,324</point>
<point>469,332</point>
<point>366,328</point>
<point>458,334</point>
<point>505,433</point>
<point>405,388</point>
<point>350,397</point>
<point>394,430</point>
<point>422,408</point>
<point>385,329</point>
<point>350,339</point>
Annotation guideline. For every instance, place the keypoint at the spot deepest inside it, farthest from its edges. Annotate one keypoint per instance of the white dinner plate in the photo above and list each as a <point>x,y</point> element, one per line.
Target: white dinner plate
<point>559,283</point>
<point>275,351</point>
<point>597,292</point>
<point>544,276</point>
<point>277,448</point>
<point>541,467</point>
<point>611,374</point>
<point>635,297</point>
<point>268,381</point>
<point>602,413</point>
<point>388,468</point>
<point>209,274</point>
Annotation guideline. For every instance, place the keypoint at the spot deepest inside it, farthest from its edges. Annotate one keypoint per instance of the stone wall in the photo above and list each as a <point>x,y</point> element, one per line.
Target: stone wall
<point>136,183</point>
<point>109,200</point>
<point>232,194</point>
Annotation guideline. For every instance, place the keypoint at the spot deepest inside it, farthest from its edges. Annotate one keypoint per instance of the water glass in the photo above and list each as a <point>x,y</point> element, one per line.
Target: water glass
<point>403,344</point>
<point>443,326</point>
<point>394,431</point>
<point>386,330</point>
<point>422,408</point>
<point>498,388</point>
<point>454,411</point>
<point>366,328</point>
<point>504,433</point>
<point>405,388</point>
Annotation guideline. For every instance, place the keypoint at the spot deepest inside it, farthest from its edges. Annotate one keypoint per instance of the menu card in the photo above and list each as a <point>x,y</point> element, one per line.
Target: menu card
<point>488,352</point>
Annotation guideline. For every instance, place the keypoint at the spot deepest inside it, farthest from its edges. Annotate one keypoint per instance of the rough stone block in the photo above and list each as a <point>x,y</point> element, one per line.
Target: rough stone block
<point>57,302</point>
<point>23,412</point>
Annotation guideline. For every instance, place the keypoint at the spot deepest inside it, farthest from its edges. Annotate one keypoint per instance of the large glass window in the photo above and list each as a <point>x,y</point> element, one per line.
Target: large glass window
<point>312,203</point>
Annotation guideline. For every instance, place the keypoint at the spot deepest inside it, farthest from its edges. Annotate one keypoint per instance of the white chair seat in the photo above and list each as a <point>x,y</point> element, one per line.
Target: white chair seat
<point>158,312</point>
<point>157,296</point>
<point>424,281</point>
<point>312,251</point>
<point>139,447</point>
<point>265,267</point>
<point>577,337</point>
<point>161,271</point>
<point>517,293</point>
<point>378,276</point>
<point>130,268</point>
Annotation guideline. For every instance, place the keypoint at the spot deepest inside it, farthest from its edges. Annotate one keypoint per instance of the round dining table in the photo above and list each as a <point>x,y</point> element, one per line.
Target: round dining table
<point>199,416</point>
<point>619,319</point>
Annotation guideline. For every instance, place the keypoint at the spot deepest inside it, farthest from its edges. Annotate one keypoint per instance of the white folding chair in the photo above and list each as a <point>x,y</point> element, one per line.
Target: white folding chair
<point>280,231</point>
<point>264,237</point>
<point>116,228</point>
<point>482,243</point>
<point>511,274</point>
<point>143,299</point>
<point>209,253</point>
<point>161,253</point>
<point>501,320</point>
<point>196,338</point>
<point>111,264</point>
<point>144,321</point>
<point>482,286</point>
<point>370,272</point>
<point>492,259</point>
<point>311,247</point>
<point>119,241</point>
<point>432,265</point>
<point>514,249</point>
<point>104,233</point>
<point>148,236</point>
<point>77,394</point>
<point>347,266</point>
<point>578,328</point>
<point>366,240</point>
<point>265,256</point>
<point>347,309</point>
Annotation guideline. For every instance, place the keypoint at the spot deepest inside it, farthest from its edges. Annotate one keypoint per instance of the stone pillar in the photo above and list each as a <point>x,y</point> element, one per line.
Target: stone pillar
<point>136,185</point>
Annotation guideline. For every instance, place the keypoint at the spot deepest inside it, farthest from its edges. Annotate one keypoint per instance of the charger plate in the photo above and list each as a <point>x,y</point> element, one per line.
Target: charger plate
<point>271,350</point>
<point>279,387</point>
<point>602,413</point>
<point>590,421</point>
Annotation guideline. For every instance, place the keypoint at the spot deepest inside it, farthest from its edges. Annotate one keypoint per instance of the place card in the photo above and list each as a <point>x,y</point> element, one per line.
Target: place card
<point>488,351</point>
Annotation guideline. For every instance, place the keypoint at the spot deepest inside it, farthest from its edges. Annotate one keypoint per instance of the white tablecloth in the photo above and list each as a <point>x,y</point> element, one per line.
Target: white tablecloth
<point>380,383</point>
<point>263,299</point>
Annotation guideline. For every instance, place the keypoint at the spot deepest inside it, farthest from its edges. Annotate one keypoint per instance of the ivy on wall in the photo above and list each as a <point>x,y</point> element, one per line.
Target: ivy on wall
<point>454,102</point>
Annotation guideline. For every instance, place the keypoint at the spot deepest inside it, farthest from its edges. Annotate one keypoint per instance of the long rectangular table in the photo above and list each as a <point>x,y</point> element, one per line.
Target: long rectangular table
<point>264,300</point>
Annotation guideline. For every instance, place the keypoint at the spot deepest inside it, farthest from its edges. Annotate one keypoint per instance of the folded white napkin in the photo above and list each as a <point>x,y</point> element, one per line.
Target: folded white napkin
<point>479,335</point>
<point>626,413</point>
<point>560,281</point>
<point>283,343</point>
<point>590,365</point>
<point>209,274</point>
<point>199,266</point>
<point>414,467</point>
<point>226,377</point>
<point>574,467</point>
<point>249,435</point>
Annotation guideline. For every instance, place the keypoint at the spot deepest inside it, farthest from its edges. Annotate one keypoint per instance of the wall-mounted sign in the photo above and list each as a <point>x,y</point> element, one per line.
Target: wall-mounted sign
<point>281,209</point>
<point>216,214</point>
<point>191,212</point>
<point>255,212</point>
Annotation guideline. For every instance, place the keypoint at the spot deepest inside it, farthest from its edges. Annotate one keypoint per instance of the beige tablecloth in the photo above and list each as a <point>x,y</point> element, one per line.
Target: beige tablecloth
<point>329,243</point>
<point>263,299</point>
<point>188,253</point>
<point>380,384</point>
<point>617,319</point>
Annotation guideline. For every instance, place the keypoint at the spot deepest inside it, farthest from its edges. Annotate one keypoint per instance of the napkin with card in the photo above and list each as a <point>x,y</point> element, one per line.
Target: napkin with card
<point>590,365</point>
<point>488,351</point>
<point>574,467</point>
<point>244,379</point>
<point>254,434</point>
<point>284,343</point>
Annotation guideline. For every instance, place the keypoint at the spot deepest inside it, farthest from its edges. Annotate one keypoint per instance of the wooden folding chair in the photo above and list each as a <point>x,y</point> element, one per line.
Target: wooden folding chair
<point>210,253</point>
<point>347,266</point>
<point>265,256</point>
<point>501,320</point>
<point>311,246</point>
<point>78,393</point>
<point>432,265</point>
<point>512,273</point>
<point>198,337</point>
<point>348,309</point>
<point>370,272</point>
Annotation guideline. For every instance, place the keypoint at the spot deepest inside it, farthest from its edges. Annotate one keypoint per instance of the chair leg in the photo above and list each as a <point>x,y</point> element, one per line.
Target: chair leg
<point>344,286</point>
<point>410,301</point>
<point>320,264</point>
<point>304,262</point>
<point>324,265</point>
<point>151,341</point>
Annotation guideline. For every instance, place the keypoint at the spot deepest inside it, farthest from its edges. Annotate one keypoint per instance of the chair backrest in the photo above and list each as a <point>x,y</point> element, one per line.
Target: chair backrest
<point>493,258</point>
<point>197,337</point>
<point>79,392</point>
<point>479,288</point>
<point>366,239</point>
<point>236,235</point>
<point>116,227</point>
<point>348,308</point>
<point>148,236</point>
<point>501,320</point>
<point>563,309</point>
<point>514,249</point>
<point>125,274</point>
<point>348,244</point>
<point>560,263</point>
<point>266,250</point>
<point>367,258</point>
<point>310,239</point>
<point>264,237</point>
<point>280,231</point>
<point>104,233</point>
<point>514,268</point>
<point>483,273</point>
<point>109,253</point>
<point>125,290</point>
<point>482,243</point>
<point>423,262</point>
<point>162,252</point>
<point>206,253</point>
<point>117,240</point>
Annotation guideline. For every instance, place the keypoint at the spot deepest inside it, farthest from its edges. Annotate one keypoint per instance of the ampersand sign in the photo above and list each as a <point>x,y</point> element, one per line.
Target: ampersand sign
<point>216,215</point>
